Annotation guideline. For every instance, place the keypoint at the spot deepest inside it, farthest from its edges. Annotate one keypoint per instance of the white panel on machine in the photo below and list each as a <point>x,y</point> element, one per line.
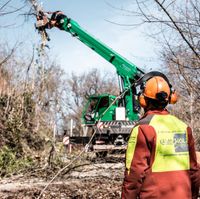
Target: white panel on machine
<point>120,113</point>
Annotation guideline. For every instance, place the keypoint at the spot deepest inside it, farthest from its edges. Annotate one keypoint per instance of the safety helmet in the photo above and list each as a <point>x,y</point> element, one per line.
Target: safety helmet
<point>156,86</point>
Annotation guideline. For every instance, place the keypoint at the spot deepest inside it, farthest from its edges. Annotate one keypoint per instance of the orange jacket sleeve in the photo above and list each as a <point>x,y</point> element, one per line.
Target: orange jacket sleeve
<point>140,163</point>
<point>194,167</point>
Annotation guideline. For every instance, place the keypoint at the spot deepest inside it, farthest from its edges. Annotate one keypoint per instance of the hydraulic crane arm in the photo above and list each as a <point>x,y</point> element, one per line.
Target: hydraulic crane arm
<point>127,71</point>
<point>124,67</point>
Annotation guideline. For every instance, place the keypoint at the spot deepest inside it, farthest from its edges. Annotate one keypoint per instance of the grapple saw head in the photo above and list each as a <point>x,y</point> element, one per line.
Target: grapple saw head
<point>43,23</point>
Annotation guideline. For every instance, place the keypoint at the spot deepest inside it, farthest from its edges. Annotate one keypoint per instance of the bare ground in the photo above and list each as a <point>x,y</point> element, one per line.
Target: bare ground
<point>95,179</point>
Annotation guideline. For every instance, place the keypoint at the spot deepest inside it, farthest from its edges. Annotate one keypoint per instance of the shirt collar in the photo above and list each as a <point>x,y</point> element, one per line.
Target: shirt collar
<point>158,112</point>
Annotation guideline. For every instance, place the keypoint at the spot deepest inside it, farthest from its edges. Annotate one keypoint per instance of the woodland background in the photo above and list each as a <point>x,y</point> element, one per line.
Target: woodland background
<point>38,99</point>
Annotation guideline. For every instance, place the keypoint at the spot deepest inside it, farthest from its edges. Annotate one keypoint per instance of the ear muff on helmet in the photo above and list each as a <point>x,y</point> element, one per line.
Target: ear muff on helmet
<point>155,85</point>
<point>142,101</point>
<point>173,97</point>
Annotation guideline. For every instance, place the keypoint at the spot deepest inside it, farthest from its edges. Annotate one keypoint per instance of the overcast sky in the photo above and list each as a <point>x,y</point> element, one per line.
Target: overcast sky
<point>93,16</point>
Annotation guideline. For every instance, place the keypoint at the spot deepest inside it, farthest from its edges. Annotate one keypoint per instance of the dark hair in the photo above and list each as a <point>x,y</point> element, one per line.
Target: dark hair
<point>156,104</point>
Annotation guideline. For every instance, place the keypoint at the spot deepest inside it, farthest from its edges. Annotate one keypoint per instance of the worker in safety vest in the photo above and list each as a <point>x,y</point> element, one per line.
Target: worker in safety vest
<point>160,158</point>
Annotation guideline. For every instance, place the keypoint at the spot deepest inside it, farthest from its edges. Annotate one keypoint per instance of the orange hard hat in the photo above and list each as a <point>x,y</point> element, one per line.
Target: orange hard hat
<point>156,85</point>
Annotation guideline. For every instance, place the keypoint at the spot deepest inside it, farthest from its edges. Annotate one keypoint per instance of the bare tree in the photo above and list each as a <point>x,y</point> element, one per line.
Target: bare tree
<point>31,101</point>
<point>80,87</point>
<point>175,26</point>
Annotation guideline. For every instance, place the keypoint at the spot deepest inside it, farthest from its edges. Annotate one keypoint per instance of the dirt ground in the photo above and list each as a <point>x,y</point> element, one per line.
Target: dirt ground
<point>76,189</point>
<point>100,179</point>
<point>87,179</point>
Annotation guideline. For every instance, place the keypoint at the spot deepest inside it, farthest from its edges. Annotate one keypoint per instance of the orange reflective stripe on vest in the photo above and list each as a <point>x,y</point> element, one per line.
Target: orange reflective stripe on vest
<point>171,144</point>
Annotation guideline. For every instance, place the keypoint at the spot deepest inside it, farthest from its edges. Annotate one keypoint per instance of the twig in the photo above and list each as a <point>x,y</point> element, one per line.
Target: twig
<point>5,4</point>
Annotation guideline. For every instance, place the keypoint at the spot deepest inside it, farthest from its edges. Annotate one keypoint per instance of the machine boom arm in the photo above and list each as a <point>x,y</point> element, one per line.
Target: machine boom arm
<point>124,67</point>
<point>126,70</point>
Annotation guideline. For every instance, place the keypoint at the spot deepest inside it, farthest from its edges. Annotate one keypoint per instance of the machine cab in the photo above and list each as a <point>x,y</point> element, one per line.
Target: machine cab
<point>96,107</point>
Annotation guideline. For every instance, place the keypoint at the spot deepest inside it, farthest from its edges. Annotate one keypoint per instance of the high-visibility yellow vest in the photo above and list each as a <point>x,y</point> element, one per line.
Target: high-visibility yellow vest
<point>171,152</point>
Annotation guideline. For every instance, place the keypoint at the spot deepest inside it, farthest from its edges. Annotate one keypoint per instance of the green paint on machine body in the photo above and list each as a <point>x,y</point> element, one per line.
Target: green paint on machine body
<point>126,70</point>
